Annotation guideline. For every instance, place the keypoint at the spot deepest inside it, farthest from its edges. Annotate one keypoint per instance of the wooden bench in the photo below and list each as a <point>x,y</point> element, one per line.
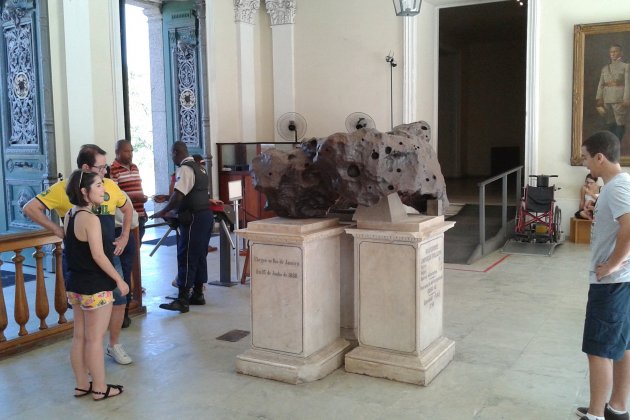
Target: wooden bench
<point>580,231</point>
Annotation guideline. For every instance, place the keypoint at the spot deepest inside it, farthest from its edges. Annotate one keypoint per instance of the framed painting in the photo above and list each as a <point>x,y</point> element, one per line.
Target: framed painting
<point>601,85</point>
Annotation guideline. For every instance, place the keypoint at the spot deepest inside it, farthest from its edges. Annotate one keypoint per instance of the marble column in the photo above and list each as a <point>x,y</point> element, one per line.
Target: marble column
<point>410,68</point>
<point>204,97</point>
<point>399,265</point>
<point>93,75</point>
<point>295,300</point>
<point>244,15</point>
<point>282,13</point>
<point>158,99</point>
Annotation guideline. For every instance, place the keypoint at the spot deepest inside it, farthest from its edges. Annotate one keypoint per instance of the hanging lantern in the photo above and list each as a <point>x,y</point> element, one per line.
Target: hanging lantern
<point>407,7</point>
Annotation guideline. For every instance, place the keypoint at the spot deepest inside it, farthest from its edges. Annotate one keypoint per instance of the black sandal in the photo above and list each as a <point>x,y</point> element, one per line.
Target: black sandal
<point>84,391</point>
<point>106,393</point>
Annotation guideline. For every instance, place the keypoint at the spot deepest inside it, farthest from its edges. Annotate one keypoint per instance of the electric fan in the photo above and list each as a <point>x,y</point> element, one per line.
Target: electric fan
<point>359,120</point>
<point>291,126</point>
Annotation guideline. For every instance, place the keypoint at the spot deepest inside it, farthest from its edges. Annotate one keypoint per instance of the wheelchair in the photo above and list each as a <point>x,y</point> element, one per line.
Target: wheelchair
<point>538,219</point>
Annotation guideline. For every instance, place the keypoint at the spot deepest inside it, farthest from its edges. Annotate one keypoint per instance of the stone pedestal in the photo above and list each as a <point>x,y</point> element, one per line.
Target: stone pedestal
<point>295,300</point>
<point>399,266</point>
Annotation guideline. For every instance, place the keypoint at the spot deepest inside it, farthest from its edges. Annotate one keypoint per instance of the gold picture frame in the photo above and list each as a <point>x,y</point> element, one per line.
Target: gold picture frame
<point>591,58</point>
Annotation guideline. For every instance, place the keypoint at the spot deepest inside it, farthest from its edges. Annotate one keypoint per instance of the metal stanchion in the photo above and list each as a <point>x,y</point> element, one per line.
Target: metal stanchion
<point>226,245</point>
<point>237,247</point>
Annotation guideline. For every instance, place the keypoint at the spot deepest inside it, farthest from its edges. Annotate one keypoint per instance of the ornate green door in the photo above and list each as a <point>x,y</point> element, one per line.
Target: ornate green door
<point>26,120</point>
<point>181,71</point>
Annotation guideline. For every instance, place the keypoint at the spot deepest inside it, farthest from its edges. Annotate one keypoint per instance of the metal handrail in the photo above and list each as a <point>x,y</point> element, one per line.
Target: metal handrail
<point>482,202</point>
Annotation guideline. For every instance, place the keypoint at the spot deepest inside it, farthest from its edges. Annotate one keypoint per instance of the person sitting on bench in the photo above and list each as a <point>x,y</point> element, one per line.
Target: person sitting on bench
<point>588,196</point>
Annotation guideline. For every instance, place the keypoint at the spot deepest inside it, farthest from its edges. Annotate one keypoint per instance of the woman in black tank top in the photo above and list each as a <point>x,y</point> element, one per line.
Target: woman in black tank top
<point>91,279</point>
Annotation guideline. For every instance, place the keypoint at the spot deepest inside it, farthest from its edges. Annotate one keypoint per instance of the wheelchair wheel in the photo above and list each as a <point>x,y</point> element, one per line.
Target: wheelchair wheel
<point>519,223</point>
<point>557,224</point>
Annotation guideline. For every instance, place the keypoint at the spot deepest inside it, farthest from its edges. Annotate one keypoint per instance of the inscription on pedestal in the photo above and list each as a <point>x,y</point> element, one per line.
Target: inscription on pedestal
<point>277,301</point>
<point>277,267</point>
<point>431,288</point>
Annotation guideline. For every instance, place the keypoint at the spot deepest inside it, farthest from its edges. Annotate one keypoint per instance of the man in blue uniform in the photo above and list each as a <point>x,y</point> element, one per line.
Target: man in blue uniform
<point>190,199</point>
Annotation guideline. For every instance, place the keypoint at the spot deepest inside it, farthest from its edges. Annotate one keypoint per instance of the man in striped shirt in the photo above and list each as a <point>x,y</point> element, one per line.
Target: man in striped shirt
<point>125,173</point>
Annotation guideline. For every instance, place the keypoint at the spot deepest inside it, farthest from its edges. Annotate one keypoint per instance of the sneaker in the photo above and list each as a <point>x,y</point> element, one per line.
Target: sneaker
<point>609,415</point>
<point>117,351</point>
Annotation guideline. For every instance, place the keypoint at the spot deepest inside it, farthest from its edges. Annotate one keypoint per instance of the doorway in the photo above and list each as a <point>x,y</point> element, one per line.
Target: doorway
<point>166,95</point>
<point>139,77</point>
<point>482,94</point>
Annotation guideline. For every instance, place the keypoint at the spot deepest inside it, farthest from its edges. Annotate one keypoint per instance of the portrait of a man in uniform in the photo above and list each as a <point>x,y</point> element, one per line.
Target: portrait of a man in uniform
<point>613,92</point>
<point>601,84</point>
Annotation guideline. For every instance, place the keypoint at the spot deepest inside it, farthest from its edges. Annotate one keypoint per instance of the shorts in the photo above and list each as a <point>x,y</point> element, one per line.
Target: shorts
<point>118,298</point>
<point>607,323</point>
<point>90,302</point>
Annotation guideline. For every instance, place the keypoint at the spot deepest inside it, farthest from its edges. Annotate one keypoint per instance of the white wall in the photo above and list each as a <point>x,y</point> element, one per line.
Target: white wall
<point>340,63</point>
<point>555,52</point>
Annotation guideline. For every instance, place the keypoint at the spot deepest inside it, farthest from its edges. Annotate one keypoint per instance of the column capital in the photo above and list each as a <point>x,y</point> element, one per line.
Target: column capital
<point>281,11</point>
<point>245,10</point>
<point>152,12</point>
<point>14,10</point>
<point>200,6</point>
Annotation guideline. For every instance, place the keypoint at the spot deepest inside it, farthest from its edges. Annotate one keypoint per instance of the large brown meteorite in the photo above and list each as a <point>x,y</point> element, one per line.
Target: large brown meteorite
<point>349,169</point>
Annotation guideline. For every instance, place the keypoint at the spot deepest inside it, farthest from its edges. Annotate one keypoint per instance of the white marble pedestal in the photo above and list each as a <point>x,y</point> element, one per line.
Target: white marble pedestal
<point>399,266</point>
<point>295,300</point>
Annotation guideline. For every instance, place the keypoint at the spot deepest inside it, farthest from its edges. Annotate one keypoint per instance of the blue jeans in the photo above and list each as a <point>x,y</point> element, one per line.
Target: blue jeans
<point>124,263</point>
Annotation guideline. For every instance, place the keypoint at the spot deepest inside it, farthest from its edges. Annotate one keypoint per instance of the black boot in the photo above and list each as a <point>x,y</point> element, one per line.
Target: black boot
<point>180,304</point>
<point>197,297</point>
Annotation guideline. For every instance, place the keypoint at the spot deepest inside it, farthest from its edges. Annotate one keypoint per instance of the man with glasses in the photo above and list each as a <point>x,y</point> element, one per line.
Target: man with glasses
<point>91,158</point>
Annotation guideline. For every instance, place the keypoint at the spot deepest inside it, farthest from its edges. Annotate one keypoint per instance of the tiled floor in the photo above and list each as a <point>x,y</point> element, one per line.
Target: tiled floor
<point>517,328</point>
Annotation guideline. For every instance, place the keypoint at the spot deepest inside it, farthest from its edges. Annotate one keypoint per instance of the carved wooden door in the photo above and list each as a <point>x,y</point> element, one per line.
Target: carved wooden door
<point>26,122</point>
<point>181,70</point>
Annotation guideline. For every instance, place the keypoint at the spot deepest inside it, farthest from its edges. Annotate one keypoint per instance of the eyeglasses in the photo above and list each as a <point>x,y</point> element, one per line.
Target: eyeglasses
<point>101,167</point>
